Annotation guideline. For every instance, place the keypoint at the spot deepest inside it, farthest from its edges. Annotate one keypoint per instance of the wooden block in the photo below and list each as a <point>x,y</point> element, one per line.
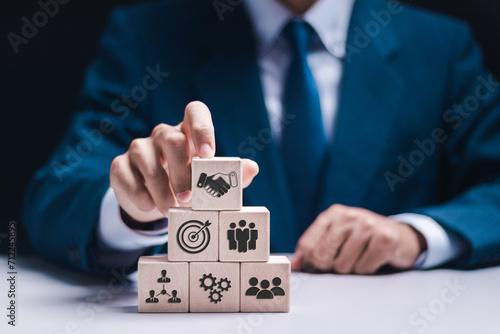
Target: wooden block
<point>193,235</point>
<point>217,184</point>
<point>163,286</point>
<point>244,235</point>
<point>214,287</point>
<point>265,287</point>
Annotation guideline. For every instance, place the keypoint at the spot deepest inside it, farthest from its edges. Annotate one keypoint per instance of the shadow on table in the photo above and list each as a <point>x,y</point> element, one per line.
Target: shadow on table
<point>116,292</point>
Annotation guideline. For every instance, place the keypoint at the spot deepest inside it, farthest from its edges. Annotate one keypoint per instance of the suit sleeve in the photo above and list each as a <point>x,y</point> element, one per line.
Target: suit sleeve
<point>471,156</point>
<point>63,200</point>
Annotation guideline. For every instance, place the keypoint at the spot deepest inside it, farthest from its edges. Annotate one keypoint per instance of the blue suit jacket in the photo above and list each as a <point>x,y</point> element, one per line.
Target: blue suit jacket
<point>399,84</point>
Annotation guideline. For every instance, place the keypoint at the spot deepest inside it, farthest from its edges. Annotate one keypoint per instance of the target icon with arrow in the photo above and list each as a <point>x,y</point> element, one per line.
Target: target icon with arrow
<point>194,236</point>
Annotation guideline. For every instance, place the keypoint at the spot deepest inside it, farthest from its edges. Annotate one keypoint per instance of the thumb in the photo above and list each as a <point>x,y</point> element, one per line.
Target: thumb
<point>250,170</point>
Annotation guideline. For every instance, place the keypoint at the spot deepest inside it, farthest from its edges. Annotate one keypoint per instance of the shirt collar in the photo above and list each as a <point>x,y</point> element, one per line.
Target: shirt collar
<point>330,19</point>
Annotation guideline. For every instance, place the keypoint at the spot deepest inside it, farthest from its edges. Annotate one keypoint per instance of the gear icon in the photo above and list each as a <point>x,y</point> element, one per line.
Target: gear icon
<point>215,296</point>
<point>208,282</point>
<point>224,284</point>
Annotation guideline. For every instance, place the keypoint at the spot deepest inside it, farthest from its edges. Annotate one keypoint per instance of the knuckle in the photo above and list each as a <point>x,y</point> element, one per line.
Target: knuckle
<point>342,211</point>
<point>337,207</point>
<point>203,130</point>
<point>159,129</point>
<point>174,139</point>
<point>117,172</point>
<point>116,165</point>
<point>323,218</point>
<point>386,238</point>
<point>137,145</point>
<point>367,225</point>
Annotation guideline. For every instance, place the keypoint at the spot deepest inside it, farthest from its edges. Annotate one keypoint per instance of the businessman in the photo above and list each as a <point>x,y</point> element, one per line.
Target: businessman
<point>374,128</point>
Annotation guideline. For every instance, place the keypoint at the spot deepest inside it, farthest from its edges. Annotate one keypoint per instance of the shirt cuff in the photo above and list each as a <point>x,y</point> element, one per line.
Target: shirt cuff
<point>442,246</point>
<point>114,235</point>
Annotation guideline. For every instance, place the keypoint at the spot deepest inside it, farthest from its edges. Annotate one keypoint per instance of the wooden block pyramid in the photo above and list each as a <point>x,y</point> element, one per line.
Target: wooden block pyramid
<point>218,252</point>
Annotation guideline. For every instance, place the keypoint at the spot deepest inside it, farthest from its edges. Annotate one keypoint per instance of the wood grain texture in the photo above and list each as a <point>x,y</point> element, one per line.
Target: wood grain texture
<point>157,275</point>
<point>244,235</point>
<point>214,287</point>
<point>190,239</point>
<point>265,287</point>
<point>217,184</point>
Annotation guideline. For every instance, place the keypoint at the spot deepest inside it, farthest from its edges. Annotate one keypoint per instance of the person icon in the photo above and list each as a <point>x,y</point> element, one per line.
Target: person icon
<point>254,235</point>
<point>277,290</point>
<point>242,236</point>
<point>231,236</point>
<point>253,289</point>
<point>163,278</point>
<point>152,298</point>
<point>265,293</point>
<point>174,299</point>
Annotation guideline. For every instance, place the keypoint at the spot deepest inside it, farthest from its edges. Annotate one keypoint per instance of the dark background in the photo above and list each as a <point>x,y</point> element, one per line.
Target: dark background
<point>39,85</point>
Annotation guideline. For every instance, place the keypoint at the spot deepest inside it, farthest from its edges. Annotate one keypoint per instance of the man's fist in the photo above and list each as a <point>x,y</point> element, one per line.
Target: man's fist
<point>155,173</point>
<point>348,240</point>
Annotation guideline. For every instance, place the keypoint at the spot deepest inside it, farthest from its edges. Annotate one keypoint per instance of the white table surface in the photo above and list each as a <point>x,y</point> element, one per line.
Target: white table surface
<point>54,300</point>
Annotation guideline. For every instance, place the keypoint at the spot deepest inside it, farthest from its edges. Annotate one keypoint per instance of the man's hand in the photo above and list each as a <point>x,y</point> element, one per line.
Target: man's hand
<point>348,240</point>
<point>155,173</point>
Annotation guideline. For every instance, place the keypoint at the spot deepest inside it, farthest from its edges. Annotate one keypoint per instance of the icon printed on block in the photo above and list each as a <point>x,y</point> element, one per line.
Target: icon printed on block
<point>265,287</point>
<point>208,282</point>
<point>244,235</point>
<point>242,238</point>
<point>193,236</point>
<point>163,286</point>
<point>218,253</point>
<point>174,299</point>
<point>163,292</point>
<point>152,298</point>
<point>264,292</point>
<point>218,184</point>
<point>163,278</point>
<point>214,287</point>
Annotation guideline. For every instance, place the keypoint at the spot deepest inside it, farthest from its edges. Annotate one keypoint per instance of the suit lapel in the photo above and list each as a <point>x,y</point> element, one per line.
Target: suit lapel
<point>372,96</point>
<point>229,83</point>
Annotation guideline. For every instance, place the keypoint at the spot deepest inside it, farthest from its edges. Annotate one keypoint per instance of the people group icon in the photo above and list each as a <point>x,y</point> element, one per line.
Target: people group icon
<point>264,292</point>
<point>242,238</point>
<point>163,278</point>
<point>152,298</point>
<point>174,299</point>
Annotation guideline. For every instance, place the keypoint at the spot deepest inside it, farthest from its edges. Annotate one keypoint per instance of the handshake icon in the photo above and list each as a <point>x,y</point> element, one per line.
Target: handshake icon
<point>218,184</point>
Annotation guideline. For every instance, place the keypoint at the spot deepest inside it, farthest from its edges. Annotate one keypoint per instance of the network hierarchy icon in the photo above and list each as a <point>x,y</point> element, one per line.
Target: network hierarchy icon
<point>218,257</point>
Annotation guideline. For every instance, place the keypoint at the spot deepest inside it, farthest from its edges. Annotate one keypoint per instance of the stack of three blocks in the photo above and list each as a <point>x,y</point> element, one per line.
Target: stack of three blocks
<point>218,252</point>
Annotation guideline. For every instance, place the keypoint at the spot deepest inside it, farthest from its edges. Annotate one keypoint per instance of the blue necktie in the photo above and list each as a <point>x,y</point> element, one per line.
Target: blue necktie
<point>304,141</point>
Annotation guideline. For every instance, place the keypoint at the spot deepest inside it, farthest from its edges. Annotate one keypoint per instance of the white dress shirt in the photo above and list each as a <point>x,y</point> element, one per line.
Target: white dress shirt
<point>330,19</point>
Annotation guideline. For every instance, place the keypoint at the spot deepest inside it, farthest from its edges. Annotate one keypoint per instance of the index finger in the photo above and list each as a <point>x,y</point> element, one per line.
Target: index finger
<point>198,126</point>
